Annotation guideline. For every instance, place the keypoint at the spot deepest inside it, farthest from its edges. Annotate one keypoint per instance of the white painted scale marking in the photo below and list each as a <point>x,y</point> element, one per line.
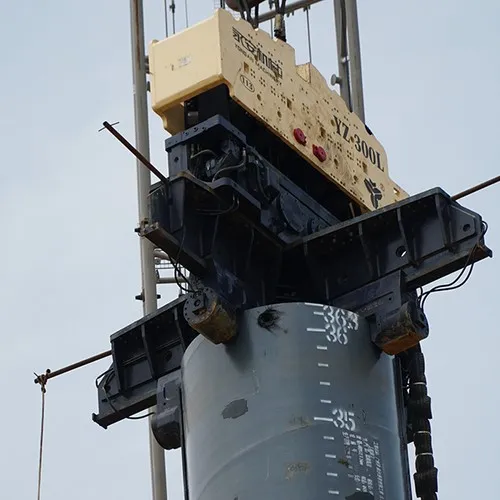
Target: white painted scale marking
<point>323,419</point>
<point>337,325</point>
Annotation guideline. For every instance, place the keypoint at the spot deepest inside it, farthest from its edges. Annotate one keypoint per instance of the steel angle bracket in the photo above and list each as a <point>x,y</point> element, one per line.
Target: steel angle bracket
<point>425,237</point>
<point>143,352</point>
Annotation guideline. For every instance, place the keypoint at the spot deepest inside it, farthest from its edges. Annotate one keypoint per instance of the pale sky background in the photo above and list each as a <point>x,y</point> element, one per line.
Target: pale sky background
<point>69,257</point>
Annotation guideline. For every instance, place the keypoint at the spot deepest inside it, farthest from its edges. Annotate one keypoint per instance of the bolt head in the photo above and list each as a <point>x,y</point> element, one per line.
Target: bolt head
<point>319,153</point>
<point>299,136</point>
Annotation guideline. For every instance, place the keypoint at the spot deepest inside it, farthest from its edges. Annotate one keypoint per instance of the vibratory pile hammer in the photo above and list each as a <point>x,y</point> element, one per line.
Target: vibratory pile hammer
<point>290,367</point>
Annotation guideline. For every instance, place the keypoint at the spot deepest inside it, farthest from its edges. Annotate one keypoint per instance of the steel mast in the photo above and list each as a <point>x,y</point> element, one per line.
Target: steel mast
<point>148,295</point>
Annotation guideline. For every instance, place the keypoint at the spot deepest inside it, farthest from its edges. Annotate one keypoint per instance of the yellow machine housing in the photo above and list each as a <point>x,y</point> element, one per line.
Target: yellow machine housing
<point>293,101</point>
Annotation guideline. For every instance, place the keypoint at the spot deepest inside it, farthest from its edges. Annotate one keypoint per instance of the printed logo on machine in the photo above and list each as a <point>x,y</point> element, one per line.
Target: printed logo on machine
<point>247,83</point>
<point>253,51</point>
<point>375,193</point>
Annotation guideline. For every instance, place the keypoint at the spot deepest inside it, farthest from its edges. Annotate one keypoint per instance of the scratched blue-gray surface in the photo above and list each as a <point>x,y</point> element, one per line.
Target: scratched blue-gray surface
<point>305,409</point>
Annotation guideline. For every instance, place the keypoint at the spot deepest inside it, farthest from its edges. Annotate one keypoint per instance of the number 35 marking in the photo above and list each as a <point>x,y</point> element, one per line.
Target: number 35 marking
<point>344,419</point>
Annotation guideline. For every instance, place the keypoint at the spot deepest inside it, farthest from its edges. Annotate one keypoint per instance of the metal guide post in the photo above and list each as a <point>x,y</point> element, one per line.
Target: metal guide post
<point>157,454</point>
<point>356,81</point>
<point>349,56</point>
<point>342,52</point>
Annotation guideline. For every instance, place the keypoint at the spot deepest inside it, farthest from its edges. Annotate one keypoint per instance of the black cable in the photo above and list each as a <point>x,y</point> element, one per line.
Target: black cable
<point>172,8</point>
<point>450,286</point>
<point>453,285</point>
<point>232,208</point>
<point>177,274</point>
<point>419,416</point>
<point>177,268</point>
<point>203,152</point>
<point>165,6</point>
<point>239,166</point>
<point>109,370</point>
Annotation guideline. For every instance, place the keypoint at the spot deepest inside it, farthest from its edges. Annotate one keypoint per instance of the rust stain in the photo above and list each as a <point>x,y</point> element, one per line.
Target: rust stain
<point>300,422</point>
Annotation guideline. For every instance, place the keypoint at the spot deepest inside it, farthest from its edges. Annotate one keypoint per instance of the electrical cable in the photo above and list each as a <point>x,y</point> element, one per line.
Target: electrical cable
<point>419,416</point>
<point>239,166</point>
<point>186,12</point>
<point>232,208</point>
<point>172,8</point>
<point>202,152</point>
<point>165,7</point>
<point>453,285</point>
<point>177,271</point>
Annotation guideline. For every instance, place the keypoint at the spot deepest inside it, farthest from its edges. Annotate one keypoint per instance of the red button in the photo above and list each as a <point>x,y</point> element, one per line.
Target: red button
<point>300,137</point>
<point>319,153</point>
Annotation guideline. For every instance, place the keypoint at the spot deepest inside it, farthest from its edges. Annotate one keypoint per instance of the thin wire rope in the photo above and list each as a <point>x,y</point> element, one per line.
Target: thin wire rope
<point>172,8</point>
<point>271,4</point>
<point>43,382</point>
<point>165,6</point>
<point>308,34</point>
<point>186,13</point>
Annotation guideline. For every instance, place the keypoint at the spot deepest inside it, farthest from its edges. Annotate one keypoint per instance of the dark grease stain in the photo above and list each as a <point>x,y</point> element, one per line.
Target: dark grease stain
<point>296,468</point>
<point>360,496</point>
<point>269,318</point>
<point>235,409</point>
<point>300,422</point>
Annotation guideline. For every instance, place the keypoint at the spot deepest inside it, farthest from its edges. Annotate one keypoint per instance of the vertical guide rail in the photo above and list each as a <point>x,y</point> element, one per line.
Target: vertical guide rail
<point>342,52</point>
<point>157,454</point>
<point>349,55</point>
<point>357,101</point>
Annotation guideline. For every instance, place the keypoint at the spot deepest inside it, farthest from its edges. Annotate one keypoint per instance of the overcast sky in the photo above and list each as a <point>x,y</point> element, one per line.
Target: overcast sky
<point>69,256</point>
